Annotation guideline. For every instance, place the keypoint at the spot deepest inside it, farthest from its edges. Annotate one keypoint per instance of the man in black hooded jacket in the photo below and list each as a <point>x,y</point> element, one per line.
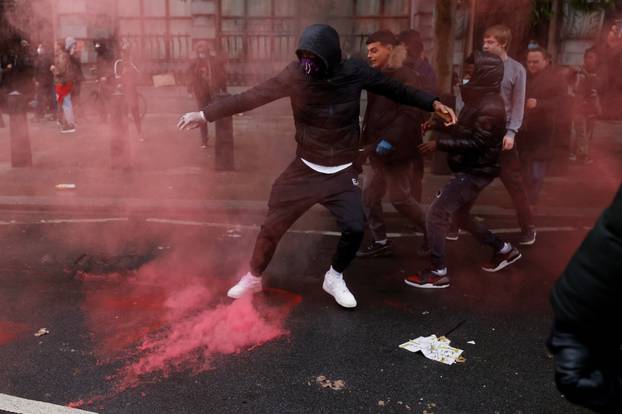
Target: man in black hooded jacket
<point>474,148</point>
<point>325,92</point>
<point>586,338</point>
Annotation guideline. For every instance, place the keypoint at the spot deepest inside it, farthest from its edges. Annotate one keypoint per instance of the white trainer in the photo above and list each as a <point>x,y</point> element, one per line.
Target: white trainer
<point>335,286</point>
<point>248,283</point>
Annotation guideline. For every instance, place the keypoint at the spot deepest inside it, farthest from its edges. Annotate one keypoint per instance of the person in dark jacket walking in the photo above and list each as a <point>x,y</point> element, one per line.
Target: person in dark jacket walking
<point>474,147</point>
<point>207,80</point>
<point>325,92</point>
<point>543,97</point>
<point>44,82</point>
<point>587,85</point>
<point>18,73</point>
<point>391,136</point>
<point>416,60</point>
<point>586,338</point>
<point>76,68</point>
<point>610,54</point>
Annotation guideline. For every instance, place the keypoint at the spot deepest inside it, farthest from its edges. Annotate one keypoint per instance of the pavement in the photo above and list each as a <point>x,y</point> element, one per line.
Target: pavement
<point>128,274</point>
<point>171,173</point>
<point>138,322</point>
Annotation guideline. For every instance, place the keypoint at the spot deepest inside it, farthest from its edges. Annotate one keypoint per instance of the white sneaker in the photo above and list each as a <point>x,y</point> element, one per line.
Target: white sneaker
<point>248,283</point>
<point>336,287</point>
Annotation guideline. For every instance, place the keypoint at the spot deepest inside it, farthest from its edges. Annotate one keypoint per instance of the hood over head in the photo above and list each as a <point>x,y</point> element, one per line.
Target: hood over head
<point>487,75</point>
<point>323,41</point>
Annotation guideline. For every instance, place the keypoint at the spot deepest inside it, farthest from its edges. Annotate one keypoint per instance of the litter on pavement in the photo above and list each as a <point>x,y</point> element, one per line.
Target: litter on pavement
<point>326,383</point>
<point>42,331</point>
<point>436,349</point>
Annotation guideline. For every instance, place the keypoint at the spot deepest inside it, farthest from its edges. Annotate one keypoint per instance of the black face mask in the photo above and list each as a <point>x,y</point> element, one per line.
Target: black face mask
<point>312,67</point>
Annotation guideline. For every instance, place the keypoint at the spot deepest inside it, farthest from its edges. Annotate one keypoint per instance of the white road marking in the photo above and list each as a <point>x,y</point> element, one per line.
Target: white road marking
<point>511,230</point>
<point>101,220</point>
<point>546,229</point>
<point>23,406</point>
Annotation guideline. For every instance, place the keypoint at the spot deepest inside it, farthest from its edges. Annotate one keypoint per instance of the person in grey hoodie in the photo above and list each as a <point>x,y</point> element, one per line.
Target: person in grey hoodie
<point>497,40</point>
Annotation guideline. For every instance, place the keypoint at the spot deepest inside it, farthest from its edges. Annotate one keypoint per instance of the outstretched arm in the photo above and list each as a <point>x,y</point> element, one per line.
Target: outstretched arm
<point>380,84</point>
<point>268,91</point>
<point>462,139</point>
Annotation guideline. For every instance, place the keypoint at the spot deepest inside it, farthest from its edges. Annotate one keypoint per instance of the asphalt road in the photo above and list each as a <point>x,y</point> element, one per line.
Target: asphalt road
<point>138,322</point>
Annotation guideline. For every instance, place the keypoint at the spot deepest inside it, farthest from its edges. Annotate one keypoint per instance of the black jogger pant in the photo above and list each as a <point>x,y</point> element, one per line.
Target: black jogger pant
<point>294,192</point>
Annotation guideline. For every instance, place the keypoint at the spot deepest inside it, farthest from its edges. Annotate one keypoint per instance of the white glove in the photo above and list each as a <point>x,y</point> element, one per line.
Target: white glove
<point>191,120</point>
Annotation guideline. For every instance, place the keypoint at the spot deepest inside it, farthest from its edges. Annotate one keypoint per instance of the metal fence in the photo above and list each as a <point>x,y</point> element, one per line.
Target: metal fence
<point>161,53</point>
<point>253,57</point>
<point>250,57</point>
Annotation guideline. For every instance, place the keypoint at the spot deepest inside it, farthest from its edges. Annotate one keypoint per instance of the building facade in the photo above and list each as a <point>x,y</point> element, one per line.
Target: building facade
<point>257,37</point>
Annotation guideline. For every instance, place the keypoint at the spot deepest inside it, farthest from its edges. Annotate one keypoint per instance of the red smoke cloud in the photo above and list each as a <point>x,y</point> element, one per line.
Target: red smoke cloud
<point>11,331</point>
<point>159,322</point>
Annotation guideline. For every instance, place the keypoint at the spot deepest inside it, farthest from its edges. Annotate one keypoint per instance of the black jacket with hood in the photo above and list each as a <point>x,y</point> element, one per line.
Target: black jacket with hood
<point>474,143</point>
<point>386,119</point>
<point>326,109</point>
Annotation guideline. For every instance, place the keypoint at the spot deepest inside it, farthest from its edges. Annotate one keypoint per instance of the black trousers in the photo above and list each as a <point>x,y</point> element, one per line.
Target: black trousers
<point>396,180</point>
<point>455,200</point>
<point>512,179</point>
<point>294,192</point>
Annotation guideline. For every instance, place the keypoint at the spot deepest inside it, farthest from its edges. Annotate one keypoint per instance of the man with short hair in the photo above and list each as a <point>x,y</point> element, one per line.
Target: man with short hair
<point>325,92</point>
<point>391,134</point>
<point>545,90</point>
<point>497,41</point>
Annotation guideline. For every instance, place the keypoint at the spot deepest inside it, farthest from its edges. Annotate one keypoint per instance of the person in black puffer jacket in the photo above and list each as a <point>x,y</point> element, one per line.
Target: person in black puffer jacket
<point>391,134</point>
<point>325,93</point>
<point>586,338</point>
<point>474,148</point>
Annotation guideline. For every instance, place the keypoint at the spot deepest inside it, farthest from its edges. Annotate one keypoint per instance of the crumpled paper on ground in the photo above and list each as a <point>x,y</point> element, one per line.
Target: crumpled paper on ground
<point>436,349</point>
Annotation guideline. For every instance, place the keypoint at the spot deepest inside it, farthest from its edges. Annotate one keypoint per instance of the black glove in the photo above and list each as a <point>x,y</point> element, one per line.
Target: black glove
<point>586,376</point>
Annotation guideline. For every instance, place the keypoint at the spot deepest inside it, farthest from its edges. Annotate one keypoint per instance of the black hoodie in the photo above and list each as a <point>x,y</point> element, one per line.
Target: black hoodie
<point>326,109</point>
<point>474,143</point>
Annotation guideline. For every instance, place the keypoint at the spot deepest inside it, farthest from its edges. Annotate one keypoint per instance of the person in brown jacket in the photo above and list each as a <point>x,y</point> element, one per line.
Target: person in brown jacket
<point>63,79</point>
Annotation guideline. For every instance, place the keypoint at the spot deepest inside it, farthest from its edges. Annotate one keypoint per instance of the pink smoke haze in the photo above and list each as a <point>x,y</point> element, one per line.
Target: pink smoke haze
<point>11,331</point>
<point>158,322</point>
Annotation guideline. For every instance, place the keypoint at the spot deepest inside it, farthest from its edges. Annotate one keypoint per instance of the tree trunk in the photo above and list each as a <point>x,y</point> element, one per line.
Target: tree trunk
<point>552,41</point>
<point>444,14</point>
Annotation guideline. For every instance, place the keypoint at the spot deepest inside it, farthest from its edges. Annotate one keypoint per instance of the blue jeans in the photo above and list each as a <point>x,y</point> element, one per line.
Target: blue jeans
<point>456,199</point>
<point>68,110</point>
